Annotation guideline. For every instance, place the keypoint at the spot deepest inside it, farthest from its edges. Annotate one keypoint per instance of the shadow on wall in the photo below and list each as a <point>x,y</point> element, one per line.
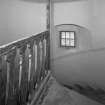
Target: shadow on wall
<point>97,94</point>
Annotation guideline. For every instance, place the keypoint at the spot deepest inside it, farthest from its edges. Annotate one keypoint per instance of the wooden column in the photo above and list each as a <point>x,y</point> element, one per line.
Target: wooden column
<point>50,26</point>
<point>48,15</point>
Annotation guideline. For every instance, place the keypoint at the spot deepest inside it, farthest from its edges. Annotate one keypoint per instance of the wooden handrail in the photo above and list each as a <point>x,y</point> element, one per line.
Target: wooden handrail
<point>21,42</point>
<point>24,64</point>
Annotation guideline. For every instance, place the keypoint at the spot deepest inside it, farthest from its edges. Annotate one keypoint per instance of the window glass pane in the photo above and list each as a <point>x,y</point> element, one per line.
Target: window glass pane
<point>63,42</point>
<point>72,43</point>
<point>62,34</point>
<point>72,35</point>
<point>67,38</point>
<point>67,42</point>
<point>67,34</point>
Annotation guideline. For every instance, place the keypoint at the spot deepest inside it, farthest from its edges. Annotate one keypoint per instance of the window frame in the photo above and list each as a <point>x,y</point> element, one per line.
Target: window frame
<point>69,39</point>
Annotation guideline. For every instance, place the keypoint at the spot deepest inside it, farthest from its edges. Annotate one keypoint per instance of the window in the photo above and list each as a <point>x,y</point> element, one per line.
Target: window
<point>67,39</point>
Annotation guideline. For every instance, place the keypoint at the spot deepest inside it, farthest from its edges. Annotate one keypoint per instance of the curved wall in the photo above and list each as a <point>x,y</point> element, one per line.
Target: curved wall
<point>83,40</point>
<point>83,64</point>
<point>87,13</point>
<point>76,12</point>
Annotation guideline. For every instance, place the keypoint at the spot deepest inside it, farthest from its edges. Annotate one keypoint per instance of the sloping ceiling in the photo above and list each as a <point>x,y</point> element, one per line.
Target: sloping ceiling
<point>56,1</point>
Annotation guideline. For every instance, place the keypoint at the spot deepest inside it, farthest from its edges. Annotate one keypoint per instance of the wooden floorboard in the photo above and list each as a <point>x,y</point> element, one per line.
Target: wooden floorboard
<point>59,95</point>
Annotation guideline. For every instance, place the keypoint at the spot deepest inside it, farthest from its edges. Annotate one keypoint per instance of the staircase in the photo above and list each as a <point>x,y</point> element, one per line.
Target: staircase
<point>24,69</point>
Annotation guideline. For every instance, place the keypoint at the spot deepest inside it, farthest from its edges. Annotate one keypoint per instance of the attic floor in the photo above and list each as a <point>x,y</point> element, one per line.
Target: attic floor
<point>59,95</point>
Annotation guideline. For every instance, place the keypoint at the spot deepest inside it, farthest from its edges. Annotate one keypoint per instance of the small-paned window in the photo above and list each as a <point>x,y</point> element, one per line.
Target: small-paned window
<point>67,39</point>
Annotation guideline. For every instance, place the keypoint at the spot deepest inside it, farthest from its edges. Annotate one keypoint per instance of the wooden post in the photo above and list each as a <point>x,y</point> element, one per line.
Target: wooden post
<point>48,15</point>
<point>50,27</point>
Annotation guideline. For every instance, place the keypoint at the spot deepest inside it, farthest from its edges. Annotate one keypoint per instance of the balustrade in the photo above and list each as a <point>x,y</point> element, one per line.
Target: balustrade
<point>23,67</point>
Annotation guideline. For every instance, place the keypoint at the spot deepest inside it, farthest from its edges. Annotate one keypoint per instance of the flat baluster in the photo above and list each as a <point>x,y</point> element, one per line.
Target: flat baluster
<point>31,61</point>
<point>36,56</point>
<point>44,47</point>
<point>45,56</point>
<point>31,73</point>
<point>20,70</point>
<point>29,57</point>
<point>8,77</point>
<point>16,71</point>
<point>32,52</point>
<point>38,66</point>
<point>33,65</point>
<point>41,60</point>
<point>10,91</point>
<point>2,81</point>
<point>48,50</point>
<point>7,84</point>
<point>24,78</point>
<point>28,69</point>
<point>46,61</point>
<point>3,85</point>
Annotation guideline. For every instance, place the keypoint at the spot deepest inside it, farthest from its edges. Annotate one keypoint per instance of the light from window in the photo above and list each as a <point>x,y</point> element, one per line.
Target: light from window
<point>67,39</point>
